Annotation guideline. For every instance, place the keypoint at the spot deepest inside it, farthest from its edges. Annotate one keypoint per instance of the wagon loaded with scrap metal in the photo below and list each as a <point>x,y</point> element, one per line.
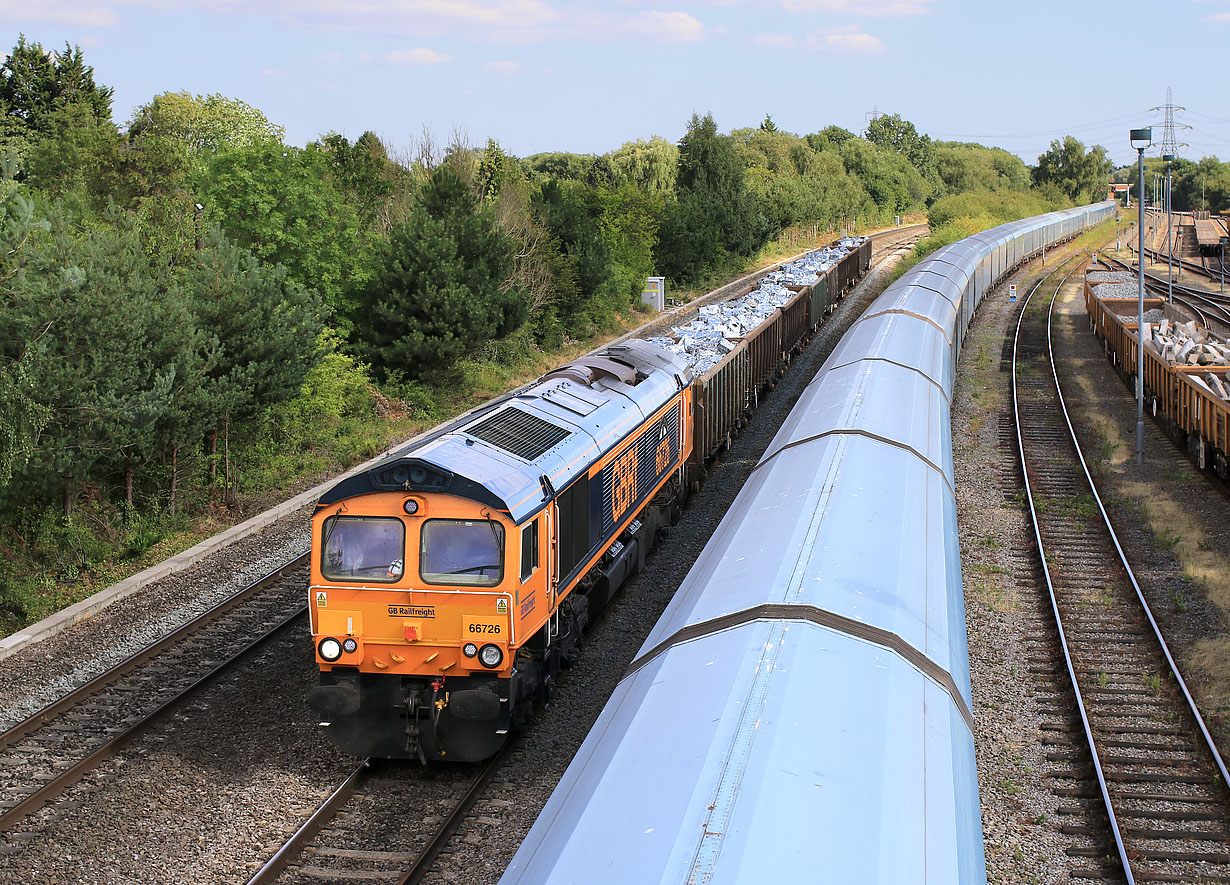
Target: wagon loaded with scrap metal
<point>451,581</point>
<point>1187,366</point>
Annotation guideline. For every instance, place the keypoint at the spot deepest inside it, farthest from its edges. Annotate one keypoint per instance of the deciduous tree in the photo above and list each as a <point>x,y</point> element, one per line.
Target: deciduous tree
<point>713,216</point>
<point>651,165</point>
<point>282,204</point>
<point>1078,175</point>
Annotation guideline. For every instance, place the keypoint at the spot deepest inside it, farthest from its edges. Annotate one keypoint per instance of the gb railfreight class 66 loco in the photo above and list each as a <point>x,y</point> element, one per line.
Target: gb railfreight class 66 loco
<point>451,581</point>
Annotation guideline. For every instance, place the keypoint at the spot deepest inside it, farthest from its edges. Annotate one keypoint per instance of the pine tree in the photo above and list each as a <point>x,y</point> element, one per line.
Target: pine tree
<point>261,330</point>
<point>442,286</point>
<point>22,416</point>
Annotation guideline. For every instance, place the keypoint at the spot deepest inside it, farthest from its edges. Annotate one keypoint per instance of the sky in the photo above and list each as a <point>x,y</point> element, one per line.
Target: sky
<point>586,77</point>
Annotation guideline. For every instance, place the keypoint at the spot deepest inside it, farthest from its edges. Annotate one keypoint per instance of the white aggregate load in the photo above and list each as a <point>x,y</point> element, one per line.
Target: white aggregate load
<point>1109,276</point>
<point>1116,290</point>
<point>719,327</point>
<point>1187,344</point>
<point>1152,315</point>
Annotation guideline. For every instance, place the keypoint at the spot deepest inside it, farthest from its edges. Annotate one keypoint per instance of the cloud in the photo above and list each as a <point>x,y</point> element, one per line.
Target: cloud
<point>502,68</point>
<point>273,72</point>
<point>424,18</point>
<point>654,26</point>
<point>493,21</point>
<point>79,13</point>
<point>665,27</point>
<point>776,41</point>
<point>1218,17</point>
<point>485,19</point>
<point>843,40</point>
<point>877,8</point>
<point>420,56</point>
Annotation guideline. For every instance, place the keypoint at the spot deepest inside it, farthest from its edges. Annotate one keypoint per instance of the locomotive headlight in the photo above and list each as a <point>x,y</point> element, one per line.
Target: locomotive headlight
<point>490,656</point>
<point>349,645</point>
<point>411,506</point>
<point>469,649</point>
<point>330,649</point>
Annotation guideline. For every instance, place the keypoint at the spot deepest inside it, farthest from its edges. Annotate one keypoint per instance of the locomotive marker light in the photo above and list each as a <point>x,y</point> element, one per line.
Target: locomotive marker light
<point>330,649</point>
<point>1140,139</point>
<point>491,656</point>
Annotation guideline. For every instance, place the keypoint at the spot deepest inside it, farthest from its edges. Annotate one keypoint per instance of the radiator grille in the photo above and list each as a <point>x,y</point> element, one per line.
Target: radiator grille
<point>513,430</point>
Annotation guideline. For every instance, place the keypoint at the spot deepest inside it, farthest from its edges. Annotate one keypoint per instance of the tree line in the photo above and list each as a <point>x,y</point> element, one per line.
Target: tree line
<point>173,288</point>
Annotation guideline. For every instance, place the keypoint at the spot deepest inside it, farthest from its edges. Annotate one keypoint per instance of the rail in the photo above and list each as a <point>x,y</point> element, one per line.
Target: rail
<point>1126,856</point>
<point>89,754</point>
<point>367,775</point>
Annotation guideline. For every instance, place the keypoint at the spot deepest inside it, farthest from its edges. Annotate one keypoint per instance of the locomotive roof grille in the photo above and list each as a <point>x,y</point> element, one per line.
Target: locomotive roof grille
<point>513,430</point>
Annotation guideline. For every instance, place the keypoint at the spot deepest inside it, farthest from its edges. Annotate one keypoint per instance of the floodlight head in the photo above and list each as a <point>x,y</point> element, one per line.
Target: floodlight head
<point>1141,138</point>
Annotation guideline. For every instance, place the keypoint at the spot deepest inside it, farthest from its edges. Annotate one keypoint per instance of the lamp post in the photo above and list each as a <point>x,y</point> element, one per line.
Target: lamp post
<point>1168,159</point>
<point>1140,139</point>
<point>1224,240</point>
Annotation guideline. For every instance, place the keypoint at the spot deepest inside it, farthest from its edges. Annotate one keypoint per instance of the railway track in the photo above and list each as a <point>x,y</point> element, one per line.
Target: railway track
<point>387,821</point>
<point>1159,776</point>
<point>54,748</point>
<point>1213,270</point>
<point>1212,308</point>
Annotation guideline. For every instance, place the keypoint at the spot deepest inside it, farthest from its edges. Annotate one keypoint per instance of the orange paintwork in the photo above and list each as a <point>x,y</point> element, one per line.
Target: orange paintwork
<point>387,612</point>
<point>380,616</point>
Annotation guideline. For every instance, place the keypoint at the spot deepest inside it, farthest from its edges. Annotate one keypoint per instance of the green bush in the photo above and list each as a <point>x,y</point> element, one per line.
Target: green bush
<point>959,216</point>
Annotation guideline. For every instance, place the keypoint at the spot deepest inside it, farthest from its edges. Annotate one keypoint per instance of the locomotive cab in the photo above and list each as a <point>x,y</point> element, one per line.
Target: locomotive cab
<point>426,589</point>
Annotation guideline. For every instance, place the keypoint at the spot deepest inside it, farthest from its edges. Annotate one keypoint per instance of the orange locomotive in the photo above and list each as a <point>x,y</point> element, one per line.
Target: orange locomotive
<point>451,581</point>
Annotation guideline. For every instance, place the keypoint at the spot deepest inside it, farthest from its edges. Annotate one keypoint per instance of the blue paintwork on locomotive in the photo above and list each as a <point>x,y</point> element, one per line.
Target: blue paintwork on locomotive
<point>514,483</point>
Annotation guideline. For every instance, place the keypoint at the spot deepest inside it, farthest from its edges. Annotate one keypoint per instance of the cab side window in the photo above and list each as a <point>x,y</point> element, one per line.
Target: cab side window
<point>529,550</point>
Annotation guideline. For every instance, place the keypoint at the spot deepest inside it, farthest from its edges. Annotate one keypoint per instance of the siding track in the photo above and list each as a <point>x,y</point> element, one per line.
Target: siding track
<point>1160,777</point>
